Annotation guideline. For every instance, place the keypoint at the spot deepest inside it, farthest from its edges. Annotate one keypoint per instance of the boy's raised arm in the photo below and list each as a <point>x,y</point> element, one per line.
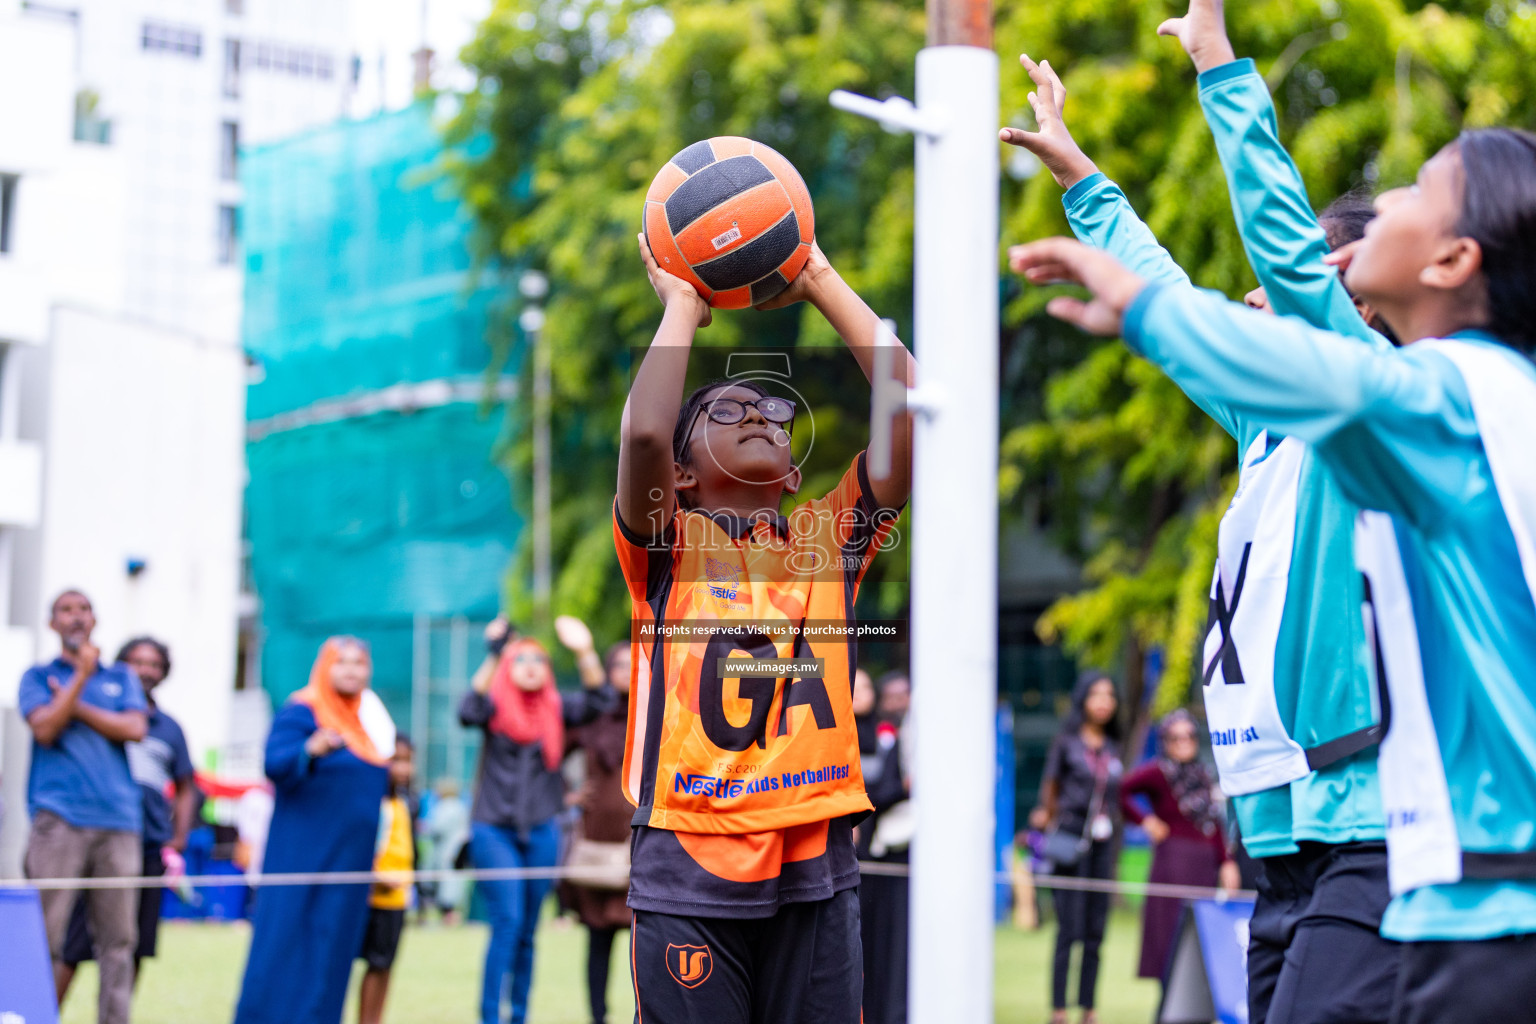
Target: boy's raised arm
<point>823,287</point>
<point>650,415</point>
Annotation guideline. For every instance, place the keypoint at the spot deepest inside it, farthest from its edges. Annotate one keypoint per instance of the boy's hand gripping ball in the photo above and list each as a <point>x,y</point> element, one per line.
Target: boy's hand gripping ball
<point>731,217</point>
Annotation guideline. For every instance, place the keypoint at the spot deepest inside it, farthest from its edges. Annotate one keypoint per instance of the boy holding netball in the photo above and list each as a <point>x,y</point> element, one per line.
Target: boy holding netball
<point>746,785</point>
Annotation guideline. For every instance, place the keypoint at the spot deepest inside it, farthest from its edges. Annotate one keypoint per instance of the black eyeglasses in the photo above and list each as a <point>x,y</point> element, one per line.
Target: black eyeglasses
<point>726,411</point>
<point>733,410</point>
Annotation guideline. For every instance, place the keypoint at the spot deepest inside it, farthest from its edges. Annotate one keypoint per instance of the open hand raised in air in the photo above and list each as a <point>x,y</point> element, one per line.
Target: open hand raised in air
<point>1050,142</point>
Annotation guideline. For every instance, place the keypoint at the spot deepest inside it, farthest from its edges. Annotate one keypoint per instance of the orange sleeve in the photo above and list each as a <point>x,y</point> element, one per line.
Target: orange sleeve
<point>645,564</point>
<point>860,526</point>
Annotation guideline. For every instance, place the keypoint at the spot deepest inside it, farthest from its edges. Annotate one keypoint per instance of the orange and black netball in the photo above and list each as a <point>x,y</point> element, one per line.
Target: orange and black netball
<point>733,218</point>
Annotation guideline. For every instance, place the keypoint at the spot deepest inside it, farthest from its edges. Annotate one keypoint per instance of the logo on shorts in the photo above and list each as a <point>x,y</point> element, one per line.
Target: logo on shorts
<point>689,965</point>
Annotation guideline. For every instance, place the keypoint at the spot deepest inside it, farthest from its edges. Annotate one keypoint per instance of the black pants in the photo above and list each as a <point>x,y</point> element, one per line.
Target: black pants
<point>1080,918</point>
<point>1315,952</point>
<point>801,966</point>
<point>884,920</point>
<point>1487,980</point>
<point>599,953</point>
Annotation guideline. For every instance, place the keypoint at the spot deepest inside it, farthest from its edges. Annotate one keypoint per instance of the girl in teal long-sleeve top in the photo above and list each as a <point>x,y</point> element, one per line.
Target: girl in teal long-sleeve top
<point>1436,435</point>
<point>1315,953</point>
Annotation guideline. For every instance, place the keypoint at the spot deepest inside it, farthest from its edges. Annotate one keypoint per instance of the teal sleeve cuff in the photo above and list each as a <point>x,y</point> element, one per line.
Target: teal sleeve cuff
<point>1226,72</point>
<point>1136,313</point>
<point>1075,194</point>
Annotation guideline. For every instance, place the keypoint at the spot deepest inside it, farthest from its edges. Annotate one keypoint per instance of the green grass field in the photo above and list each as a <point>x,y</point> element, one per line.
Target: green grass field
<point>195,978</point>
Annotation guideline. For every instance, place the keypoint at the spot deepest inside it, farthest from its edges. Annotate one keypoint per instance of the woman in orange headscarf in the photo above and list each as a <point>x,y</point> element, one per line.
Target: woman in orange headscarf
<point>326,756</point>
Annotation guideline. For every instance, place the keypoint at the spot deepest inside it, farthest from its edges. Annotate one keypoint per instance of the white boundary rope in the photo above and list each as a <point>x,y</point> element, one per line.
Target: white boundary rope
<point>867,868</point>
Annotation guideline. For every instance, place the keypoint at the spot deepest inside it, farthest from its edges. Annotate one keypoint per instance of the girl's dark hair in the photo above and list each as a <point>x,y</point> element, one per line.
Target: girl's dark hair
<point>694,402</point>
<point>1344,219</point>
<point>160,648</point>
<point>1077,716</point>
<point>1498,211</point>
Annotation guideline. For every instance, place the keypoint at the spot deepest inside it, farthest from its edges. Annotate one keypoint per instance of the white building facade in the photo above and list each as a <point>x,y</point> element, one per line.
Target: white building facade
<point>122,379</point>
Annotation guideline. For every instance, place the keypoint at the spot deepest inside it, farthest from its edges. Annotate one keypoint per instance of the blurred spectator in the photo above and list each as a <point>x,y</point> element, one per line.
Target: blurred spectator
<point>867,724</point>
<point>87,813</point>
<point>159,763</point>
<point>253,818</point>
<point>396,859</point>
<point>895,698</point>
<point>519,792</point>
<point>447,833</point>
<point>330,777</point>
<point>884,906</point>
<point>1079,802</point>
<point>602,840</point>
<point>1186,829</point>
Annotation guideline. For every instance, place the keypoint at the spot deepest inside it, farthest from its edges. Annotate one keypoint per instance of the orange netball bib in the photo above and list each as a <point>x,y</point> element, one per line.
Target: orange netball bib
<point>744,644</point>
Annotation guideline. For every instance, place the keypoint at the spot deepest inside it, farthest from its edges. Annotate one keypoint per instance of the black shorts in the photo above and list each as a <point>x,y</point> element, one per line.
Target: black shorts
<point>77,940</point>
<point>1315,952</point>
<point>804,965</point>
<point>382,939</point>
<point>1486,980</point>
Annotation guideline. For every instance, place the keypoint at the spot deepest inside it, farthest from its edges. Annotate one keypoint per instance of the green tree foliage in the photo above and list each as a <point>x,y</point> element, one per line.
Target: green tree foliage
<point>1365,91</point>
<point>580,104</point>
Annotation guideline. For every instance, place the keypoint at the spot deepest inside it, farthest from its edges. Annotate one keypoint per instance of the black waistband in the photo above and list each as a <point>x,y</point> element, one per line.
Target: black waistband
<point>1516,866</point>
<point>1350,744</point>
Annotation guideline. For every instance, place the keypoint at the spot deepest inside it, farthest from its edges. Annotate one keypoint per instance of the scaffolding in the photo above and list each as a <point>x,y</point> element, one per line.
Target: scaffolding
<point>375,503</point>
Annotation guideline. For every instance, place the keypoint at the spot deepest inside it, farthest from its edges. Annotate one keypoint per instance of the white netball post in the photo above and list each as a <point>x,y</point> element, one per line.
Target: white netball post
<point>954,506</point>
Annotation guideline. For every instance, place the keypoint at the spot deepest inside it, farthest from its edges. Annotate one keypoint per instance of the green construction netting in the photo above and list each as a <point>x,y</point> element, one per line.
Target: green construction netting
<point>359,278</point>
<point>358,274</point>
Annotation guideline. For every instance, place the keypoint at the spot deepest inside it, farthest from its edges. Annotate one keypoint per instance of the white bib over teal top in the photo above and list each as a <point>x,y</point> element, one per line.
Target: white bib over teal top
<point>1423,848</point>
<point>1421,829</point>
<point>1252,748</point>
<point>1438,435</point>
<point>1321,689</point>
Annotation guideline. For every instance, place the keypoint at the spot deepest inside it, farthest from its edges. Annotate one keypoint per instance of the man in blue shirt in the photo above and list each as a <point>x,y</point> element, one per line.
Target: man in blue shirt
<point>159,763</point>
<point>86,810</point>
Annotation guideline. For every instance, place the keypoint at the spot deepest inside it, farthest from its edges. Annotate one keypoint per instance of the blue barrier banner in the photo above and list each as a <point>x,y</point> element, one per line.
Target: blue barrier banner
<point>26,982</point>
<point>1223,929</point>
<point>1004,797</point>
<point>1208,975</point>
